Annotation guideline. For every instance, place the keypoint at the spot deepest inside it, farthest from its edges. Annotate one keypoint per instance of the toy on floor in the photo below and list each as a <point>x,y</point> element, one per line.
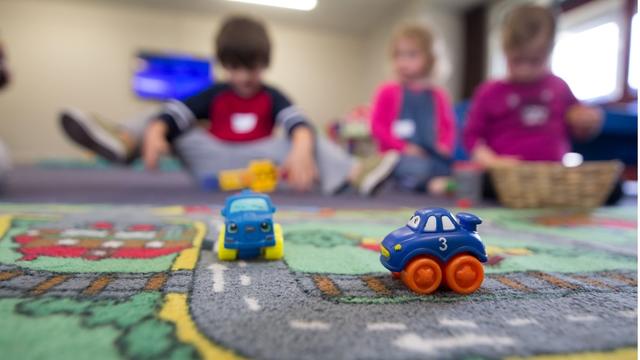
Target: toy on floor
<point>249,230</point>
<point>436,248</point>
<point>260,176</point>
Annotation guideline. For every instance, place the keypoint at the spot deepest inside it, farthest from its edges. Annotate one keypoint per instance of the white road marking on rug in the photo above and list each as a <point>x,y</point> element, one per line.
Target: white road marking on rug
<point>114,244</point>
<point>252,303</point>
<point>413,342</point>
<point>581,318</point>
<point>458,323</point>
<point>381,326</point>
<point>242,263</point>
<point>628,313</point>
<point>309,325</point>
<point>521,322</point>
<point>68,242</point>
<point>245,280</point>
<point>156,244</point>
<point>217,271</point>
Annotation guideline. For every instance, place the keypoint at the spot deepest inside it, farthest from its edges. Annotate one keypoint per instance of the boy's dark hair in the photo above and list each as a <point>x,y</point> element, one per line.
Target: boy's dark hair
<point>243,42</point>
<point>526,23</point>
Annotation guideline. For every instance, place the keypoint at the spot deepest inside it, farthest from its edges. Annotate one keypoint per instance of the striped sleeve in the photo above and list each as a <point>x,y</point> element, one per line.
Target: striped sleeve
<point>180,116</point>
<point>285,113</point>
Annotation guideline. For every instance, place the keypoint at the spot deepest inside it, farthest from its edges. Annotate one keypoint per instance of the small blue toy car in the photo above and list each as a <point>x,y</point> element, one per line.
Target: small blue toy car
<point>249,230</point>
<point>436,248</point>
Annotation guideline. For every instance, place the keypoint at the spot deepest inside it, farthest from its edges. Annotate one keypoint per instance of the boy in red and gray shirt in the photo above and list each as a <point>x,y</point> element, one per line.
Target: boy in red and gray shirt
<point>242,114</point>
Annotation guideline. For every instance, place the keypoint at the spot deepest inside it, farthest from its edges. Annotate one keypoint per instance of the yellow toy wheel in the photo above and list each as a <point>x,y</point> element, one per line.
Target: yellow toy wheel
<point>275,252</point>
<point>224,253</point>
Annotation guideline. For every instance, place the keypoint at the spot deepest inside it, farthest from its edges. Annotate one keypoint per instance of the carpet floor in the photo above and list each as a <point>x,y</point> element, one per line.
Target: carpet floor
<point>119,265</point>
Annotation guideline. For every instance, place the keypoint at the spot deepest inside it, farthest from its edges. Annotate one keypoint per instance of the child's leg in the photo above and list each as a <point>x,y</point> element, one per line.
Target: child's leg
<point>5,165</point>
<point>335,166</point>
<point>206,156</point>
<point>412,172</point>
<point>422,174</point>
<point>117,143</point>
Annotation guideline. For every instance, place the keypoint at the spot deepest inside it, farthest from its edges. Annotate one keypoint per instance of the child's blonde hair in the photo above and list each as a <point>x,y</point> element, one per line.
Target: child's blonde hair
<point>526,23</point>
<point>422,36</point>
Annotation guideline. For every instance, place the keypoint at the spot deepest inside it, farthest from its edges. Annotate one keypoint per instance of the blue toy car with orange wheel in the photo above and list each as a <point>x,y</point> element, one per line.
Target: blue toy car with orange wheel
<point>435,248</point>
<point>249,230</point>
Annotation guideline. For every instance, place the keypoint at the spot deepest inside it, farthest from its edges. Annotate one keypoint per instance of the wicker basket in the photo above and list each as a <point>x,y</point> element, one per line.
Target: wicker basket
<point>543,184</point>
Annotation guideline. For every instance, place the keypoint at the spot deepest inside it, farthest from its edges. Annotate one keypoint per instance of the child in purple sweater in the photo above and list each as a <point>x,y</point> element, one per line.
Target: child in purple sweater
<point>532,114</point>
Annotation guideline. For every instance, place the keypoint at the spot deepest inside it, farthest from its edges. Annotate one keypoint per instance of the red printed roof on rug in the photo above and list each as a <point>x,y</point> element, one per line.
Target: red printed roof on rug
<point>102,240</point>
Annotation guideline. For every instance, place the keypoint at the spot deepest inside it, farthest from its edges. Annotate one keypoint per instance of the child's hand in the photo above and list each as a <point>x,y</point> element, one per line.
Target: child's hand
<point>486,157</point>
<point>412,149</point>
<point>300,165</point>
<point>504,161</point>
<point>585,121</point>
<point>154,144</point>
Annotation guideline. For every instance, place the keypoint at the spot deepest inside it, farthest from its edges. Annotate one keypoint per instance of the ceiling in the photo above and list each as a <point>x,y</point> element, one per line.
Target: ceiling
<point>356,16</point>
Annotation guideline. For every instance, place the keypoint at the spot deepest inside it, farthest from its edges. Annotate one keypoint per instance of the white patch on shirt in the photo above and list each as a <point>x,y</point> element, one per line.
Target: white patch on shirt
<point>243,123</point>
<point>403,128</point>
<point>534,115</point>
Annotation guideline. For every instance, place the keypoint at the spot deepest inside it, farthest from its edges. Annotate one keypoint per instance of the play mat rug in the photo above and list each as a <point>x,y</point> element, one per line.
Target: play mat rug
<point>109,282</point>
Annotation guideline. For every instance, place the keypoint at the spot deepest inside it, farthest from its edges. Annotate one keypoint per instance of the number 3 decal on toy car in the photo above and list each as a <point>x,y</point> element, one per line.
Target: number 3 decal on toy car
<point>443,244</point>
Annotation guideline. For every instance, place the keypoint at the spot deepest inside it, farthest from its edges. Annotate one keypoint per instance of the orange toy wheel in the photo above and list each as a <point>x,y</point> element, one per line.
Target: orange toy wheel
<point>422,275</point>
<point>464,274</point>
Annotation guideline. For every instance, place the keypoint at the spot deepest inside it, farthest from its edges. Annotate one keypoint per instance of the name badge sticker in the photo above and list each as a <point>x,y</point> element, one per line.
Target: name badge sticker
<point>403,128</point>
<point>242,123</point>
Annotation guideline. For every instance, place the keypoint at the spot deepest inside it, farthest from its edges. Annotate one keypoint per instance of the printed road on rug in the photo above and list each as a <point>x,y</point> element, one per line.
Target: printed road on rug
<point>111,282</point>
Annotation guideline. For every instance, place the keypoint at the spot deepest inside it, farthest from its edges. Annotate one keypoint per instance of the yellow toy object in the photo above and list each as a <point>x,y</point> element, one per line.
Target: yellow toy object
<point>224,253</point>
<point>259,176</point>
<point>275,252</point>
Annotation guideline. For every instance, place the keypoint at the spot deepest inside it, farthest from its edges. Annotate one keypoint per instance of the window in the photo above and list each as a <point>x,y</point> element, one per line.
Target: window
<point>634,59</point>
<point>414,222</point>
<point>430,225</point>
<point>249,204</point>
<point>593,51</point>
<point>447,224</point>
<point>588,60</point>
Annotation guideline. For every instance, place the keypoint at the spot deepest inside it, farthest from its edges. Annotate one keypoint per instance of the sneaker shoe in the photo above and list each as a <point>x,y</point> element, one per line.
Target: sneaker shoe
<point>90,133</point>
<point>376,171</point>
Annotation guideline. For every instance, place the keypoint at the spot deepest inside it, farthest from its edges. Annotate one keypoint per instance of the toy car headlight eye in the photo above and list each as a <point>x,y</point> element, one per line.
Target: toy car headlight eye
<point>232,228</point>
<point>265,226</point>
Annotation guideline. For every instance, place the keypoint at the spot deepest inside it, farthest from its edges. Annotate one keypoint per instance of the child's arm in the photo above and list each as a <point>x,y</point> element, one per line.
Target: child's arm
<point>382,116</point>
<point>584,122</point>
<point>154,143</point>
<point>446,121</point>
<point>483,155</point>
<point>300,165</point>
<point>175,118</point>
<point>474,134</point>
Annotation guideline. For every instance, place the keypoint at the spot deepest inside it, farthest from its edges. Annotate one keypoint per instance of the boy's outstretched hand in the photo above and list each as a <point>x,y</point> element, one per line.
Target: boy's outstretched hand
<point>300,165</point>
<point>585,121</point>
<point>154,144</point>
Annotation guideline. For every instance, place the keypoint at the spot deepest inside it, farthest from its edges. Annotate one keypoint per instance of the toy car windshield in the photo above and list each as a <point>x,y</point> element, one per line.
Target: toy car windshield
<point>249,204</point>
<point>414,222</point>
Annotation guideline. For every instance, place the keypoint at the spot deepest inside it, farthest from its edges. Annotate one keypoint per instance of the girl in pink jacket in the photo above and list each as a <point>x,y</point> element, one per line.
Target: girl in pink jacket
<point>414,118</point>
